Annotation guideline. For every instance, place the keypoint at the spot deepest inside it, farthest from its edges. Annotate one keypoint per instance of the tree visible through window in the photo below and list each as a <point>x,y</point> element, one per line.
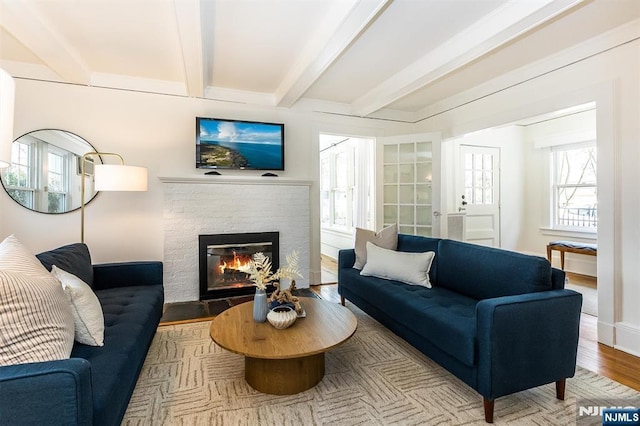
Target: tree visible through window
<point>575,187</point>
<point>19,177</point>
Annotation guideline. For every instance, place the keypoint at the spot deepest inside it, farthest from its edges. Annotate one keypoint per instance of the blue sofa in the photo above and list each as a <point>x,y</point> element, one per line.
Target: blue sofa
<point>94,386</point>
<point>500,321</point>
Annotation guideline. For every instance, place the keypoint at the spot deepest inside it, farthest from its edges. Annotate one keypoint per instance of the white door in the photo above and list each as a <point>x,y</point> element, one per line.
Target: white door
<point>478,193</point>
<point>408,183</point>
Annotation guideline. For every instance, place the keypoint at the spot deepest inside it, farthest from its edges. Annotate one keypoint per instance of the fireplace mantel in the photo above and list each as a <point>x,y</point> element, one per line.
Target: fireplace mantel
<point>236,180</point>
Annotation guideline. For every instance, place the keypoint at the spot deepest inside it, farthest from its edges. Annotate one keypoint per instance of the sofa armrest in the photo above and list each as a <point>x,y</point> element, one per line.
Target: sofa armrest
<point>346,258</point>
<point>125,274</point>
<point>52,393</point>
<point>526,340</point>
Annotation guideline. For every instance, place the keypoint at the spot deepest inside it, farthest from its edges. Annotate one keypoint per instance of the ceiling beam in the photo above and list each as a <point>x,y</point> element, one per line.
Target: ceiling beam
<point>190,36</point>
<point>507,22</point>
<point>344,24</point>
<point>25,22</point>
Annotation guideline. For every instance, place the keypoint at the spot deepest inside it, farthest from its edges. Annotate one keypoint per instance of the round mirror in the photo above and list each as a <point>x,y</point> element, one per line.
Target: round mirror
<point>45,172</point>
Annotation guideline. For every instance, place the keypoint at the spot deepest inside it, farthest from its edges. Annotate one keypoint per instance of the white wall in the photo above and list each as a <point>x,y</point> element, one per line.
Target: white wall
<point>611,78</point>
<point>158,132</point>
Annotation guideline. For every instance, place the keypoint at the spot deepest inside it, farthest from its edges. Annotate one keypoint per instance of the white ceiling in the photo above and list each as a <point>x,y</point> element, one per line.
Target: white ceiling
<point>383,58</point>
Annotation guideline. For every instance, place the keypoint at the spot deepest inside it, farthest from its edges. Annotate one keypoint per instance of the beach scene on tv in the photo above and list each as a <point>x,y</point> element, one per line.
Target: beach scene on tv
<point>235,145</point>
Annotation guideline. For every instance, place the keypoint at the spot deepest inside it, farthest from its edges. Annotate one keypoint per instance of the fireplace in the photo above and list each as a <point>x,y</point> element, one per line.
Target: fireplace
<point>221,257</point>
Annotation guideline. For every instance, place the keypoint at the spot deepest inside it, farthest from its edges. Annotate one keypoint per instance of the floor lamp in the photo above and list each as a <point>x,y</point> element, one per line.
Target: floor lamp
<point>111,177</point>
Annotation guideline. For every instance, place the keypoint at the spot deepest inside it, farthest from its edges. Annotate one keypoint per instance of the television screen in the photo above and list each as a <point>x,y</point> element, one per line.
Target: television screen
<point>234,144</point>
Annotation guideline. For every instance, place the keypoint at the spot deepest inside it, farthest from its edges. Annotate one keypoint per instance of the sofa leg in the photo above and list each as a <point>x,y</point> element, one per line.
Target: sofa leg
<point>488,410</point>
<point>560,386</point>
<point>342,300</point>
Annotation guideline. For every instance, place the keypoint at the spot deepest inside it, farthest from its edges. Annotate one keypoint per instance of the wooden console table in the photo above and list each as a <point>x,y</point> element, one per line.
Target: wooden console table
<point>571,247</point>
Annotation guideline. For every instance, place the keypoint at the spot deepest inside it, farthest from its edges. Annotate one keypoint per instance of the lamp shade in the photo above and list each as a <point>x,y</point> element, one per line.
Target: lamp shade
<point>7,98</point>
<point>111,177</point>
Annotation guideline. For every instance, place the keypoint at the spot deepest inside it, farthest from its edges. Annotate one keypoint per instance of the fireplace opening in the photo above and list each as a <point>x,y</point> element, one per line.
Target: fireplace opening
<point>222,257</point>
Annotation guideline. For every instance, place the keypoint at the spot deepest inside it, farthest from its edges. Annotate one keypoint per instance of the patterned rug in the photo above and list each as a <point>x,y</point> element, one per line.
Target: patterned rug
<point>375,378</point>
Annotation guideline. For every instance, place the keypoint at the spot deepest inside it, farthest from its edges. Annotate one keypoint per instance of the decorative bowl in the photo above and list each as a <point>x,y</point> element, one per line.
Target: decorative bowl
<point>282,316</point>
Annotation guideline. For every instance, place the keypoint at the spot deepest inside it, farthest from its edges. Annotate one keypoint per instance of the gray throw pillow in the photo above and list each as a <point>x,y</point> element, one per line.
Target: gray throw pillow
<point>387,238</point>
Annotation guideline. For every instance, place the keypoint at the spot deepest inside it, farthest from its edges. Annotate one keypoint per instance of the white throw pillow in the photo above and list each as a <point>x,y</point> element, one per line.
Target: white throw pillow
<point>35,319</point>
<point>85,307</point>
<point>409,268</point>
<point>15,257</point>
<point>386,238</point>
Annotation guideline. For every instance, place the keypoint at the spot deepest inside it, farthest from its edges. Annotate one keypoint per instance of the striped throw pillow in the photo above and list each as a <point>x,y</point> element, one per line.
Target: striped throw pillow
<point>36,323</point>
<point>15,257</point>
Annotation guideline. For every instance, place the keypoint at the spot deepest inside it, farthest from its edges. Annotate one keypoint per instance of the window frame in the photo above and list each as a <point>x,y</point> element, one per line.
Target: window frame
<point>555,188</point>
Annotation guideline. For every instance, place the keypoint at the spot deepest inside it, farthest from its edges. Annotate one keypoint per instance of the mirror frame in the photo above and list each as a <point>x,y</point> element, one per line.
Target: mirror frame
<point>38,170</point>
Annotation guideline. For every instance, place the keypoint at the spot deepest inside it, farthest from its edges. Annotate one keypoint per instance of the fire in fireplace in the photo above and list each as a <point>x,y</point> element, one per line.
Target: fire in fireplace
<point>222,257</point>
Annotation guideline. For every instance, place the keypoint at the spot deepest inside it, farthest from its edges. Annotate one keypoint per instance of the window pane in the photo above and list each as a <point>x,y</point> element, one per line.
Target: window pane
<point>406,173</point>
<point>423,194</point>
<point>424,172</point>
<point>341,207</point>
<point>577,206</point>
<point>407,152</point>
<point>576,166</point>
<point>423,151</point>
<point>390,214</point>
<point>391,174</point>
<point>390,194</point>
<point>406,194</point>
<point>325,174</point>
<point>56,202</point>
<point>342,171</point>
<point>390,154</point>
<point>22,197</point>
<point>325,207</point>
<point>406,215</point>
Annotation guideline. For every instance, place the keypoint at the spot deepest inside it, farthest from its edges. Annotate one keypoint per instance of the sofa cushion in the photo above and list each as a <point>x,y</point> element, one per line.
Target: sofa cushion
<point>444,318</point>
<point>418,244</point>
<point>35,319</point>
<point>386,238</point>
<point>73,258</point>
<point>85,307</point>
<point>409,268</point>
<point>484,272</point>
<point>131,316</point>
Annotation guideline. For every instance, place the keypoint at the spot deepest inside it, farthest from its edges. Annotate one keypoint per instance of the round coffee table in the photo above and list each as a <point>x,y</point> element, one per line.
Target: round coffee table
<point>284,362</point>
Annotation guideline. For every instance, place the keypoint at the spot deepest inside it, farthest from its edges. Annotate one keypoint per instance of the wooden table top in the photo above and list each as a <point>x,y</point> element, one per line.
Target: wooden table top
<point>326,325</point>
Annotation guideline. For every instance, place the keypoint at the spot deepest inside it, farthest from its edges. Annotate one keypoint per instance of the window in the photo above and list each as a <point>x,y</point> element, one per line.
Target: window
<point>575,192</point>
<point>478,178</point>
<point>345,176</point>
<point>56,183</point>
<point>19,177</point>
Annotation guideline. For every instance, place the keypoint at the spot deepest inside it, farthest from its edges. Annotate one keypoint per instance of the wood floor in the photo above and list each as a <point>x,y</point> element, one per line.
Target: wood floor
<point>593,356</point>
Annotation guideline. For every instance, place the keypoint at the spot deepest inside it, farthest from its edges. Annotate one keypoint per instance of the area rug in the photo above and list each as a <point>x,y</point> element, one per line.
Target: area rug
<point>375,378</point>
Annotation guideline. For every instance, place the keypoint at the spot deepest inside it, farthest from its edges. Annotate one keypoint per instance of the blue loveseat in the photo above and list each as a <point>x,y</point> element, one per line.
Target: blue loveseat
<point>500,321</point>
<point>94,386</point>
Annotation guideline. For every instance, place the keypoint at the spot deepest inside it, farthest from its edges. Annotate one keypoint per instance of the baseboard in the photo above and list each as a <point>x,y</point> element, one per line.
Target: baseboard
<point>627,338</point>
<point>606,333</point>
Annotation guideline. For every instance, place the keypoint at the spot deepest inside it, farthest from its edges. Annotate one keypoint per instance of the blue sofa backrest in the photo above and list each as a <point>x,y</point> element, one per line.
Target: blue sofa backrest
<point>417,244</point>
<point>484,272</point>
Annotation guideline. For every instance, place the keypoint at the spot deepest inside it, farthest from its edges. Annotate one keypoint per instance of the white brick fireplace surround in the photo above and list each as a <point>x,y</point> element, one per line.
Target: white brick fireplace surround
<point>221,205</point>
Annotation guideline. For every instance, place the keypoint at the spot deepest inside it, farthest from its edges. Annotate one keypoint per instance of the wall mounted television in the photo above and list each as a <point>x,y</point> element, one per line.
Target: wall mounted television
<point>240,145</point>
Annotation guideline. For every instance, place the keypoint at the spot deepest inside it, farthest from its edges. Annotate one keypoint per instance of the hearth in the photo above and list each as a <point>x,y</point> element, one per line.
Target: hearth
<point>222,256</point>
